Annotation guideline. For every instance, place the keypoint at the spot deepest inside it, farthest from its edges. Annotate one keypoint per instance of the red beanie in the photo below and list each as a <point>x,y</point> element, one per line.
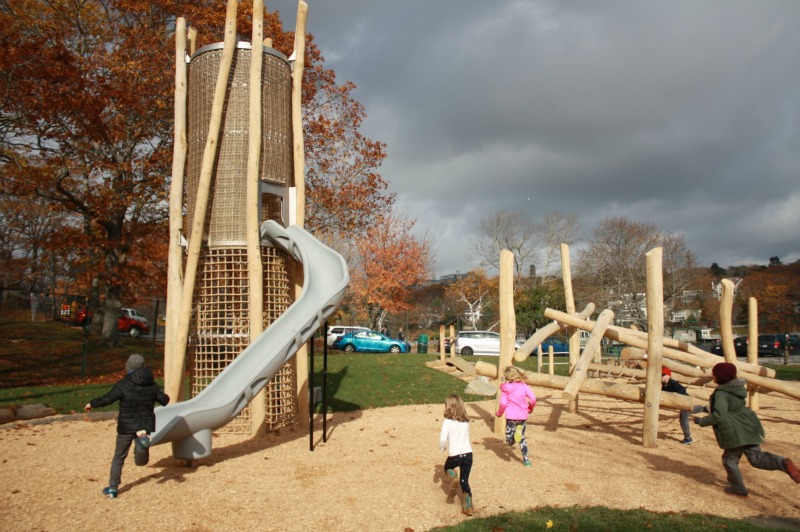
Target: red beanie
<point>724,372</point>
<point>666,371</point>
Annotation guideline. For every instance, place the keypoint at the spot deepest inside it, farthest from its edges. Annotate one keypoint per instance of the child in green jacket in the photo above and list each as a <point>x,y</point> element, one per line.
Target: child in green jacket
<point>739,431</point>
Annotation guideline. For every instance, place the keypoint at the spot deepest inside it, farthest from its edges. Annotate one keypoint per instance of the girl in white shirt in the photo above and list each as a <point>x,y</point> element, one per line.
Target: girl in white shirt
<point>455,439</point>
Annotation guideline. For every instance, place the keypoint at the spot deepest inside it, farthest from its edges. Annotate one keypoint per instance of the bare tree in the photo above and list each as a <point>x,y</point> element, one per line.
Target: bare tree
<point>612,267</point>
<point>511,231</point>
<point>557,228</point>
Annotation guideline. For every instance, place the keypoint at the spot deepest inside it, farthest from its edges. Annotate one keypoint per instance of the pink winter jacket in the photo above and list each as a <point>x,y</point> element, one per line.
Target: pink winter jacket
<point>514,400</point>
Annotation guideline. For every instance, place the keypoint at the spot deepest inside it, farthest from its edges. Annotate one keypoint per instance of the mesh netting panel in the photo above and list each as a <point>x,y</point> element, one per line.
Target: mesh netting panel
<point>225,223</point>
<point>220,329</point>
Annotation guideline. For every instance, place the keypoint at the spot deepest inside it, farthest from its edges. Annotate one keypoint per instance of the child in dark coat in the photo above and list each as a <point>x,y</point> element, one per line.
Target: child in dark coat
<point>739,431</point>
<point>668,384</point>
<point>137,394</point>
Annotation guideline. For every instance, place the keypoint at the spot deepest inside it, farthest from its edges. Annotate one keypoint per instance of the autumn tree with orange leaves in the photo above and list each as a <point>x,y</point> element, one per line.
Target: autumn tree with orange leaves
<point>86,126</point>
<point>476,296</point>
<point>390,262</point>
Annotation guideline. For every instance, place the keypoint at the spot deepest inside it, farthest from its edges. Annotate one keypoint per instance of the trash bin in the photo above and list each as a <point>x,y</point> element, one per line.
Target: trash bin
<point>422,343</point>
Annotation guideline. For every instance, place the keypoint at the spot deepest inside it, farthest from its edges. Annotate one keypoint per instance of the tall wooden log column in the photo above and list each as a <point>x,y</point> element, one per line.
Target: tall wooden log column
<point>508,328</point>
<point>655,334</point>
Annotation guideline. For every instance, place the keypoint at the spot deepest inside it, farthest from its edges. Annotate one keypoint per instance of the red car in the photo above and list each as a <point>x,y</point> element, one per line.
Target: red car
<point>128,322</point>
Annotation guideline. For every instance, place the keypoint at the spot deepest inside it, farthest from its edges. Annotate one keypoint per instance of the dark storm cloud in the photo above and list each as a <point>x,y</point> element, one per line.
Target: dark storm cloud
<point>683,114</point>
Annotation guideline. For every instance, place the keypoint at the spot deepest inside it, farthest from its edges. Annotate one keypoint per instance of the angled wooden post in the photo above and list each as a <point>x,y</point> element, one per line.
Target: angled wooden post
<point>255,270</point>
<point>655,346</point>
<point>573,335</point>
<point>203,191</point>
<point>301,357</point>
<point>173,376</point>
<point>581,370</point>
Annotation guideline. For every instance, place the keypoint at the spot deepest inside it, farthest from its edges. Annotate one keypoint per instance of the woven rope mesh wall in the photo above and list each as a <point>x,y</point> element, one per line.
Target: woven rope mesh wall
<point>225,223</point>
<point>220,326</point>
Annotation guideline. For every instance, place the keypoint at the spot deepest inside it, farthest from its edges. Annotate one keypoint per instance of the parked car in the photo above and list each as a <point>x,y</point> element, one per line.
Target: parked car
<point>559,346</point>
<point>774,344</point>
<point>370,342</point>
<point>739,344</point>
<point>469,343</point>
<point>126,322</point>
<point>134,314</point>
<point>335,331</point>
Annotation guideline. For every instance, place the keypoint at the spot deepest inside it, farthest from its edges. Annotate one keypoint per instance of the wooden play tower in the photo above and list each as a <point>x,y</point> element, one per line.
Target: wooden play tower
<point>238,162</point>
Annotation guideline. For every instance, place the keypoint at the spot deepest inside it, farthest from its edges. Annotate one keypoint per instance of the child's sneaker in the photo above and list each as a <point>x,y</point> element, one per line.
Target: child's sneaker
<point>142,439</point>
<point>731,491</point>
<point>527,463</point>
<point>791,470</point>
<point>467,509</point>
<point>518,433</point>
<point>687,441</point>
<point>110,493</point>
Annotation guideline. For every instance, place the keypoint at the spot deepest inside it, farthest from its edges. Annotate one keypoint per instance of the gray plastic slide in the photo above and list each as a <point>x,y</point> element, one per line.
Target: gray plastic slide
<point>188,425</point>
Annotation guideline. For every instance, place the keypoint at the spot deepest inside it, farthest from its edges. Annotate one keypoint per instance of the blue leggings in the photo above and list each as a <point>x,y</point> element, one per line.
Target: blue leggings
<point>464,464</point>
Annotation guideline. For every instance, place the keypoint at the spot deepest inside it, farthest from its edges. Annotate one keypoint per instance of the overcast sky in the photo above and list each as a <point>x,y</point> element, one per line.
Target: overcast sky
<point>684,114</point>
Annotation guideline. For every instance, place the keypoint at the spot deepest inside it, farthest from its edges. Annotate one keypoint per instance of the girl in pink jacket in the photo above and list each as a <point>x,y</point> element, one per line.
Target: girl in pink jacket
<point>516,402</point>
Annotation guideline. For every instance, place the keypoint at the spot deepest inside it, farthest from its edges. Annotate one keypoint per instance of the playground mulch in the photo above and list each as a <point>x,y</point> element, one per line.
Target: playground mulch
<point>382,470</point>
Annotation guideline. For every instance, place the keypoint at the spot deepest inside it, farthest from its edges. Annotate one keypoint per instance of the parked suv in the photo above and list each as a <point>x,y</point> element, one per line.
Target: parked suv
<point>336,331</point>
<point>481,342</point>
<point>774,344</point>
<point>739,345</point>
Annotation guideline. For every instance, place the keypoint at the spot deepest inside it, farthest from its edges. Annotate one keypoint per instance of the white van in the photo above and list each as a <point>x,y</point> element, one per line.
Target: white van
<point>336,331</point>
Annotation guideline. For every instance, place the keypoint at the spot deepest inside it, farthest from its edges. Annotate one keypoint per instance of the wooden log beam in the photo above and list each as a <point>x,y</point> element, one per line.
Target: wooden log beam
<point>580,371</point>
<point>639,339</point>
<point>525,350</point>
<point>626,392</point>
<point>507,326</point>
<point>787,388</point>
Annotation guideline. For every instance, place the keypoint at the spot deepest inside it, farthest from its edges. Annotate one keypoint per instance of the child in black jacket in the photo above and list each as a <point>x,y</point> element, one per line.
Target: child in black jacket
<point>668,384</point>
<point>137,394</point>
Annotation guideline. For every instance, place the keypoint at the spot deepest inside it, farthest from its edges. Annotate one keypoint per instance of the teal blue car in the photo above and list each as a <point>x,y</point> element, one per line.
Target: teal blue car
<point>370,342</point>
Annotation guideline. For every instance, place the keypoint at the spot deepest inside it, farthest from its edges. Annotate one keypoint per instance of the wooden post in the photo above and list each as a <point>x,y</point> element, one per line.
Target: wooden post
<point>508,327</point>
<point>203,191</point>
<point>452,340</point>
<point>441,342</point>
<point>173,376</point>
<point>539,358</point>
<point>301,357</point>
<point>581,370</point>
<point>726,321</point>
<point>550,360</point>
<point>255,270</point>
<point>752,348</point>
<point>655,334</point>
<point>573,336</point>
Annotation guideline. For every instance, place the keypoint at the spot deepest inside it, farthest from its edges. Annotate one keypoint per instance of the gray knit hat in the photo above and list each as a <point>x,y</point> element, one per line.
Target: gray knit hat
<point>134,362</point>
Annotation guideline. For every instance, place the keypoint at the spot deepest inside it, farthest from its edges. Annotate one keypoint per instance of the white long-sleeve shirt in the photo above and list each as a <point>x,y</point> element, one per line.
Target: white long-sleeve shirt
<point>455,437</point>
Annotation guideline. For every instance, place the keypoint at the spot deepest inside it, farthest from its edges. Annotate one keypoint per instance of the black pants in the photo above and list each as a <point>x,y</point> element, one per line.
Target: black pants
<point>464,464</point>
<point>141,457</point>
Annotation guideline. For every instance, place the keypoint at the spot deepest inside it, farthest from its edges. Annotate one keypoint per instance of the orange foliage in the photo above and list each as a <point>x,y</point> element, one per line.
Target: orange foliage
<point>391,261</point>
